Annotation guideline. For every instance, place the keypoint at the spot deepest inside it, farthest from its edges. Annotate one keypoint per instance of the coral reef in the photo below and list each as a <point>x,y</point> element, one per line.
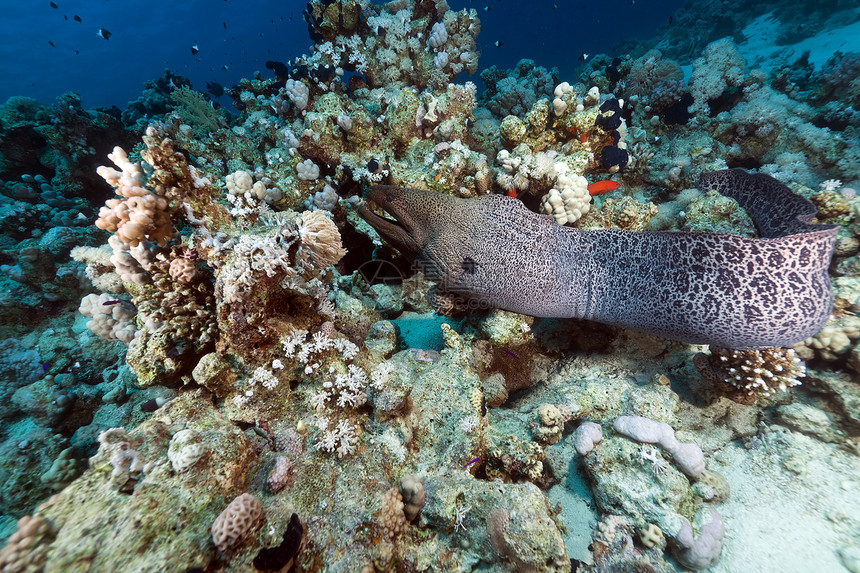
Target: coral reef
<point>234,370</point>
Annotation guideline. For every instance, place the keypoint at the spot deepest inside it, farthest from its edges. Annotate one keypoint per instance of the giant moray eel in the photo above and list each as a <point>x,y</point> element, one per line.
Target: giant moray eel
<point>699,288</point>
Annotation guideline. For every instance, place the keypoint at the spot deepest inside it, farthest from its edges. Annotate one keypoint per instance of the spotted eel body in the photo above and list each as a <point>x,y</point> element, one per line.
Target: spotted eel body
<point>695,287</point>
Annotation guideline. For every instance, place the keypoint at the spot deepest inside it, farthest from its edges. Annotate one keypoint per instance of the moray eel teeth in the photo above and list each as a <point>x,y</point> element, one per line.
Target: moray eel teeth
<point>699,288</point>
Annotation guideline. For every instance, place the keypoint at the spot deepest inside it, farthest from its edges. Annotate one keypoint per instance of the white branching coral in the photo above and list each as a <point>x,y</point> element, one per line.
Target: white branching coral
<point>263,377</point>
<point>340,387</point>
<point>251,256</point>
<point>830,185</point>
<point>752,372</point>
<point>341,438</point>
<point>381,375</point>
<point>650,454</point>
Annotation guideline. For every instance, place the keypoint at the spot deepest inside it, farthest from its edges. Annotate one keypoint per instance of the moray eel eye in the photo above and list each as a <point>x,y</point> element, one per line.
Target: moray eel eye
<point>469,265</point>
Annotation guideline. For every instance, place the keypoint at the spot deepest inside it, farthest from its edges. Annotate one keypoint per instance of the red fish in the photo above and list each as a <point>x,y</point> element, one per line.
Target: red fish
<point>601,187</point>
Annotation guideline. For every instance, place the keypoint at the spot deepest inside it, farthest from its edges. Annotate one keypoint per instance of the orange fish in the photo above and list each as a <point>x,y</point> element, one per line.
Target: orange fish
<point>601,187</point>
<point>512,193</point>
<point>583,137</point>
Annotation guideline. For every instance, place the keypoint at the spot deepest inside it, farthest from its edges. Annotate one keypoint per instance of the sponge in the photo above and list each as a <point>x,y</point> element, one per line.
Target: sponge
<point>687,456</point>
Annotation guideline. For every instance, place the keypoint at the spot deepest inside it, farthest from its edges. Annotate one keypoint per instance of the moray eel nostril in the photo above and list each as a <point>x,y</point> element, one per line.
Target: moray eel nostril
<point>700,288</point>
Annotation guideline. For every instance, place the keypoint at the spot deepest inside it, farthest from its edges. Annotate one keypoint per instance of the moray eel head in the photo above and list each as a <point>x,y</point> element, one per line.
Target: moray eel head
<point>466,245</point>
<point>402,229</point>
<point>423,225</point>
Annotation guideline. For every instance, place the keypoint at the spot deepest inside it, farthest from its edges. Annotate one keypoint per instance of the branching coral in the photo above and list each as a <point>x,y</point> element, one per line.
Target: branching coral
<point>720,67</point>
<point>406,45</point>
<point>142,214</point>
<point>751,373</point>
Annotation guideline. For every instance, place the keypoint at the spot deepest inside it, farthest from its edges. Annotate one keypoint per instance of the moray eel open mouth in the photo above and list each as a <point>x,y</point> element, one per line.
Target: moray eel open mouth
<point>396,228</point>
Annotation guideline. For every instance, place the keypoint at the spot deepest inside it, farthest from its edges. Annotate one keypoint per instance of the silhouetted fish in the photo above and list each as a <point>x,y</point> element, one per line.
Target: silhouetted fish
<point>281,70</point>
<point>215,89</point>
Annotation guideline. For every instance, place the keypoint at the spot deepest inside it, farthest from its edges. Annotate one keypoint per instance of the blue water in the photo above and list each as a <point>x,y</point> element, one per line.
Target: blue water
<point>147,37</point>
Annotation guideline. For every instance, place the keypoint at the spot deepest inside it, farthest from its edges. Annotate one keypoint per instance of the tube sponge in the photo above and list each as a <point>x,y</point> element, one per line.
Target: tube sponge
<point>688,457</point>
<point>699,553</point>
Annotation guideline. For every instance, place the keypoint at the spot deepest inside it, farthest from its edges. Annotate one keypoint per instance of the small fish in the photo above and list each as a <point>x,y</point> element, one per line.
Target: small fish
<point>66,17</point>
<point>279,68</point>
<point>512,354</point>
<point>77,18</point>
<point>601,187</point>
<point>194,50</point>
<point>110,302</point>
<point>153,404</point>
<point>486,8</point>
<point>176,351</point>
<point>54,5</point>
<point>225,25</point>
<point>52,44</point>
<point>45,366</point>
<point>472,462</point>
<point>498,43</point>
<point>102,33</point>
<point>225,67</point>
<point>77,52</point>
<point>583,57</point>
<point>670,20</point>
